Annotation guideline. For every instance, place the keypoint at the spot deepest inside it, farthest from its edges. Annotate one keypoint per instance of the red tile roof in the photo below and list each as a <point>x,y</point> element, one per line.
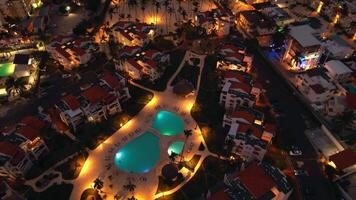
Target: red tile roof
<point>238,56</point>
<point>71,101</point>
<point>28,132</point>
<point>56,120</point>
<point>219,195</point>
<point>151,64</point>
<point>244,115</point>
<point>94,94</point>
<point>110,80</point>
<point>79,42</point>
<point>241,86</point>
<point>250,128</point>
<point>232,47</point>
<point>344,159</point>
<point>351,101</point>
<point>126,35</point>
<point>257,132</point>
<point>13,151</point>
<point>78,51</point>
<point>271,128</point>
<point>63,53</point>
<point>150,53</point>
<point>232,74</point>
<point>33,122</point>
<point>135,64</point>
<point>256,180</point>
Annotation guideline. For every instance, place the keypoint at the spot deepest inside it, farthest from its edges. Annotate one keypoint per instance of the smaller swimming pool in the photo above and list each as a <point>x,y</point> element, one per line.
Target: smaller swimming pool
<point>176,147</point>
<point>6,69</point>
<point>168,123</point>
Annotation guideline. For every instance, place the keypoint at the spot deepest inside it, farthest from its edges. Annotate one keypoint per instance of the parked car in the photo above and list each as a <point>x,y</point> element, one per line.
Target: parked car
<point>295,151</point>
<point>300,172</point>
<point>66,75</point>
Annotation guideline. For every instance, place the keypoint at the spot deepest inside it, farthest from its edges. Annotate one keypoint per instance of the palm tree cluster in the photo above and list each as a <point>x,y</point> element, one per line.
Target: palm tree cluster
<point>170,8</point>
<point>16,86</point>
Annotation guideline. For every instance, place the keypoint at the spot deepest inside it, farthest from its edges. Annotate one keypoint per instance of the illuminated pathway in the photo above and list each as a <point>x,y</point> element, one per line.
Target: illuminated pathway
<point>100,162</point>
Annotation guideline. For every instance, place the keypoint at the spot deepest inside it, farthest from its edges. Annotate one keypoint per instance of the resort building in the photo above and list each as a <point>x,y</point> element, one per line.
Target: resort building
<point>239,116</point>
<point>14,162</point>
<point>134,34</point>
<point>338,48</point>
<point>27,135</point>
<point>303,49</point>
<point>97,103</point>
<point>279,15</point>
<point>236,94</point>
<point>251,140</point>
<point>116,84</point>
<point>337,70</point>
<point>255,24</point>
<point>24,65</point>
<point>316,85</point>
<point>71,52</point>
<point>7,193</point>
<point>218,20</point>
<point>129,51</point>
<point>70,112</point>
<point>256,181</point>
<point>138,69</point>
<point>234,58</point>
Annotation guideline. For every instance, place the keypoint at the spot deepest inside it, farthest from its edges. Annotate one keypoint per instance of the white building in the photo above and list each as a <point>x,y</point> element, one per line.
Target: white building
<point>115,84</point>
<point>338,47</point>
<point>97,104</point>
<point>71,52</point>
<point>338,70</point>
<point>14,162</point>
<point>236,94</point>
<point>137,69</point>
<point>316,86</point>
<point>134,34</point>
<point>70,112</point>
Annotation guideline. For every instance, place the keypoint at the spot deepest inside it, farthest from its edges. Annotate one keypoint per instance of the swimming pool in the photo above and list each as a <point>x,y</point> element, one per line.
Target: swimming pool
<point>140,155</point>
<point>6,69</point>
<point>168,123</point>
<point>176,147</point>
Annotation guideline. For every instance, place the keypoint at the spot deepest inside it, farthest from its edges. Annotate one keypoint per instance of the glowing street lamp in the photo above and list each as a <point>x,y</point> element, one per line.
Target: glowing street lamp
<point>67,8</point>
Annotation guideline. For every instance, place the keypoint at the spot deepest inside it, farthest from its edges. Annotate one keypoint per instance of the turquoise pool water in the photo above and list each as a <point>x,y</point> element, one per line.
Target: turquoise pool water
<point>140,155</point>
<point>168,123</point>
<point>176,147</point>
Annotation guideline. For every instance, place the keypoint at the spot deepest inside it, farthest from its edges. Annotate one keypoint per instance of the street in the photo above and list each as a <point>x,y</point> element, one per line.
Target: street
<point>294,124</point>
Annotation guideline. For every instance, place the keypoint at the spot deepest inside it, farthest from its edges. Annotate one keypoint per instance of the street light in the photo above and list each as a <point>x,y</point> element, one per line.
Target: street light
<point>67,8</point>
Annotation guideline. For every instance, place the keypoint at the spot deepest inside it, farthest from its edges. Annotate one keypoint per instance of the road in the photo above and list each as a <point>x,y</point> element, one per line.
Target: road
<point>295,123</point>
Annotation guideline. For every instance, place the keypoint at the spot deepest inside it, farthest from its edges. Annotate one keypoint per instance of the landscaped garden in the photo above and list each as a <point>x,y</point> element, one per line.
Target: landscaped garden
<point>189,73</point>
<point>71,169</point>
<point>209,174</point>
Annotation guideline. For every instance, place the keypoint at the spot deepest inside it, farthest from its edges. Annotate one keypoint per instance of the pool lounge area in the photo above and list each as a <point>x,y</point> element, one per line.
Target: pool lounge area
<point>168,123</point>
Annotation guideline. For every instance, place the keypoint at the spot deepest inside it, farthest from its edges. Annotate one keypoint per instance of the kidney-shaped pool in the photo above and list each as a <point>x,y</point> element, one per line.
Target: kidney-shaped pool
<point>139,155</point>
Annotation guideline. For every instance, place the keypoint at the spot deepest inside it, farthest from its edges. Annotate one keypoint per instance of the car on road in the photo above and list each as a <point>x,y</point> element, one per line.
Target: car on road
<point>300,172</point>
<point>66,75</point>
<point>295,151</point>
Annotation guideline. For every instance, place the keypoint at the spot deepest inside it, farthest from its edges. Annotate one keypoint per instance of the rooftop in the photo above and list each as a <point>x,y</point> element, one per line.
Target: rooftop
<point>94,94</point>
<point>71,101</point>
<point>28,132</point>
<point>344,159</point>
<point>33,122</point>
<point>304,35</point>
<point>337,67</point>
<point>256,180</point>
<point>110,80</point>
<point>22,59</point>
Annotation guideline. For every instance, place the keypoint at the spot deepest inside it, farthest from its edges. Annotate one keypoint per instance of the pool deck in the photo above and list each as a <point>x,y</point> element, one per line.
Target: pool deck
<point>100,163</point>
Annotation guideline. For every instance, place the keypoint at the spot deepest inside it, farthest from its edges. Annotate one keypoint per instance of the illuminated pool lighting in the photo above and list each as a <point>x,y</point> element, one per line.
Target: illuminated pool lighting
<point>168,123</point>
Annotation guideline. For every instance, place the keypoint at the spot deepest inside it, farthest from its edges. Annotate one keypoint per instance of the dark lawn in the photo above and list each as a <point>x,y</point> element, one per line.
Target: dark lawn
<point>207,111</point>
<point>189,73</point>
<point>55,192</point>
<point>71,169</point>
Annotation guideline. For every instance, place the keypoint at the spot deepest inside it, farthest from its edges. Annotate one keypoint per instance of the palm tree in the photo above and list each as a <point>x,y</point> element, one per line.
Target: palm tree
<point>229,144</point>
<point>170,11</point>
<point>132,198</point>
<point>16,86</point>
<point>184,14</point>
<point>173,156</point>
<point>130,186</point>
<point>98,184</point>
<point>187,133</point>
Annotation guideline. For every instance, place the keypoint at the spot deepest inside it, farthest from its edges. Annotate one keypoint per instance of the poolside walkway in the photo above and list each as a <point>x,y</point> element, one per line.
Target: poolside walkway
<point>100,162</point>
